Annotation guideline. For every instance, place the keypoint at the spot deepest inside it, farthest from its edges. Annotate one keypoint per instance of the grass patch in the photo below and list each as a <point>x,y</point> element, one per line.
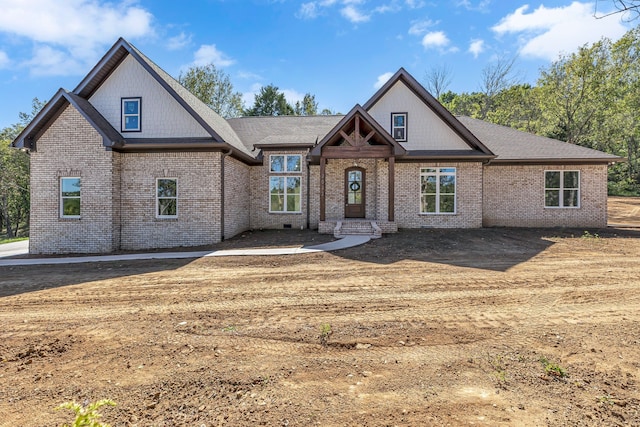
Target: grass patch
<point>11,240</point>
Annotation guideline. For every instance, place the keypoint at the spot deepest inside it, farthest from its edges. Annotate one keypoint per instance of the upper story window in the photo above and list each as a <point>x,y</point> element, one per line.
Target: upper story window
<point>561,189</point>
<point>399,126</point>
<point>285,163</point>
<point>70,197</point>
<point>131,112</point>
<point>438,190</point>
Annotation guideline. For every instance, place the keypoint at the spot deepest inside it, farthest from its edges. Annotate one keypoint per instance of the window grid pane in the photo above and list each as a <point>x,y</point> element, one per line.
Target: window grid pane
<point>438,190</point>
<point>167,197</point>
<point>285,194</point>
<point>562,189</point>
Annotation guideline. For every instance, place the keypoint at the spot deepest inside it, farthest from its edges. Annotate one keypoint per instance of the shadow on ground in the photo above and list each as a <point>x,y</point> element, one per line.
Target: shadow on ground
<point>497,249</point>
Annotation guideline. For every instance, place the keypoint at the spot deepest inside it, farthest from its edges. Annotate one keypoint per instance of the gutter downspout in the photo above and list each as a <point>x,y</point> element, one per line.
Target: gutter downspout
<point>224,155</point>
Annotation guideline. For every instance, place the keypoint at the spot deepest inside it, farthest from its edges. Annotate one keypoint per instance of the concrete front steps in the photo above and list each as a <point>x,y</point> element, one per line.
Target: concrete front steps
<point>350,227</point>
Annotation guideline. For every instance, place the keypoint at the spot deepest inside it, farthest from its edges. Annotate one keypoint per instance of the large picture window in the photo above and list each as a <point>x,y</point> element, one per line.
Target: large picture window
<point>166,197</point>
<point>562,189</point>
<point>285,163</point>
<point>131,114</point>
<point>438,190</point>
<point>284,194</point>
<point>70,197</point>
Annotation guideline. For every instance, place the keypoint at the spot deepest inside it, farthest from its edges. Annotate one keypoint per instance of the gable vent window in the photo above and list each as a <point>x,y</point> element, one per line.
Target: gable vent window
<point>131,114</point>
<point>399,126</point>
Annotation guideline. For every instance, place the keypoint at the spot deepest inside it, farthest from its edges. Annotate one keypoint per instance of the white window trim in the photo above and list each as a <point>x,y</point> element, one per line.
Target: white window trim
<point>437,174</point>
<point>158,200</point>
<point>286,156</point>
<point>393,127</point>
<point>139,114</point>
<point>561,190</point>
<point>285,211</point>
<point>61,206</point>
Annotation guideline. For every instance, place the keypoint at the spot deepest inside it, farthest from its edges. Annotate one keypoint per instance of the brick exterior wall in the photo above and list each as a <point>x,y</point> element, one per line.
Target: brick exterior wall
<point>376,202</point>
<point>199,200</point>
<point>70,147</point>
<point>237,197</point>
<point>468,197</point>
<point>514,197</point>
<point>261,218</point>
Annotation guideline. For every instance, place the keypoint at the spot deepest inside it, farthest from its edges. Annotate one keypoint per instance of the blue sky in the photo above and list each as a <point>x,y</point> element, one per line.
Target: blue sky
<point>339,50</point>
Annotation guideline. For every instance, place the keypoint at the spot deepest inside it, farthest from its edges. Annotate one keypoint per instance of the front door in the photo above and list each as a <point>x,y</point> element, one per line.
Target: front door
<point>354,193</point>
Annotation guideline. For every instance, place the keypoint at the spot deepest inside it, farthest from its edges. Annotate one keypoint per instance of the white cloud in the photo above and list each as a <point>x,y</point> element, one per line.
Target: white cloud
<point>76,29</point>
<point>249,97</point>
<point>308,10</point>
<point>548,32</point>
<point>354,15</point>
<point>482,6</point>
<point>418,28</point>
<point>178,42</point>
<point>292,96</point>
<point>415,4</point>
<point>209,54</point>
<point>4,59</point>
<point>382,79</point>
<point>47,61</point>
<point>435,39</point>
<point>476,47</point>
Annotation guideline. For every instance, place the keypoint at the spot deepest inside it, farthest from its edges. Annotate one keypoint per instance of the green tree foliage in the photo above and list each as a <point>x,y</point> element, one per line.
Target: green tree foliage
<point>269,101</point>
<point>213,87</point>
<point>308,106</point>
<point>590,98</point>
<point>14,177</point>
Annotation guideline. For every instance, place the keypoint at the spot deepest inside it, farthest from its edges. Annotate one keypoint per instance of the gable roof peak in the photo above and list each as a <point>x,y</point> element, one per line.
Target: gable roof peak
<point>431,102</point>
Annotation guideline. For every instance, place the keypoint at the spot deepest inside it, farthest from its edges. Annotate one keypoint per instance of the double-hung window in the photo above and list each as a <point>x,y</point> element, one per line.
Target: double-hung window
<point>562,189</point>
<point>131,114</point>
<point>166,198</point>
<point>70,197</point>
<point>438,190</point>
<point>285,194</point>
<point>399,126</point>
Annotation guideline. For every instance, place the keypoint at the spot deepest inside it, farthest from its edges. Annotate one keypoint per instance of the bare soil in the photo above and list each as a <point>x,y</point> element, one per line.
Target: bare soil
<point>428,327</point>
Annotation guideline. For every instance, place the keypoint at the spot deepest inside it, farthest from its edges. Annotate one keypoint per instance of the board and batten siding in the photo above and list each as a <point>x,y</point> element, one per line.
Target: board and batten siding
<point>161,115</point>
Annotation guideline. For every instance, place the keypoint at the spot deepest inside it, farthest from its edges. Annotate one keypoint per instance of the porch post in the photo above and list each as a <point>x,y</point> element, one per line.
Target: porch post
<point>322,188</point>
<point>392,187</point>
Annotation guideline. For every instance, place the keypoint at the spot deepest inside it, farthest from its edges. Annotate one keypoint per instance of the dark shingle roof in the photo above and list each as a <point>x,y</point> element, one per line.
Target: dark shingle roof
<point>282,130</point>
<point>511,145</point>
<point>26,138</point>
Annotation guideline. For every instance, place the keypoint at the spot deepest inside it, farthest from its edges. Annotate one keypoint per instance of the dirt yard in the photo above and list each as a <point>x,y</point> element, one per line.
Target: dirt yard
<point>426,327</point>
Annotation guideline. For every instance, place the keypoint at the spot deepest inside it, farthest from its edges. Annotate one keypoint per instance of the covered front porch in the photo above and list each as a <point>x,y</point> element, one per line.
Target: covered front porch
<point>356,177</point>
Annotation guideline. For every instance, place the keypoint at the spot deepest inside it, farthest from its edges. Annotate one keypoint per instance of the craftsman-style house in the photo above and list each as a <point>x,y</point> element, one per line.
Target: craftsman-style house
<point>131,160</point>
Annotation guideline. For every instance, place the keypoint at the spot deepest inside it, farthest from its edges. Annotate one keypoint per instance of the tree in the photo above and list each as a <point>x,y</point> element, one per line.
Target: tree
<point>496,77</point>
<point>574,95</point>
<point>517,107</point>
<point>269,101</point>
<point>213,87</point>
<point>308,107</point>
<point>14,176</point>
<point>437,80</point>
<point>629,8</point>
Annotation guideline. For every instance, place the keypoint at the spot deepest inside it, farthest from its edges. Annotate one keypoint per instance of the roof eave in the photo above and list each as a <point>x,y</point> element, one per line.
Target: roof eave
<point>565,161</point>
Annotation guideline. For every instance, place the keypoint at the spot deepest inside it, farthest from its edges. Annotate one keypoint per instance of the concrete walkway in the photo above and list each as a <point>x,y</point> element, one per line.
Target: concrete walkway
<point>22,248</point>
